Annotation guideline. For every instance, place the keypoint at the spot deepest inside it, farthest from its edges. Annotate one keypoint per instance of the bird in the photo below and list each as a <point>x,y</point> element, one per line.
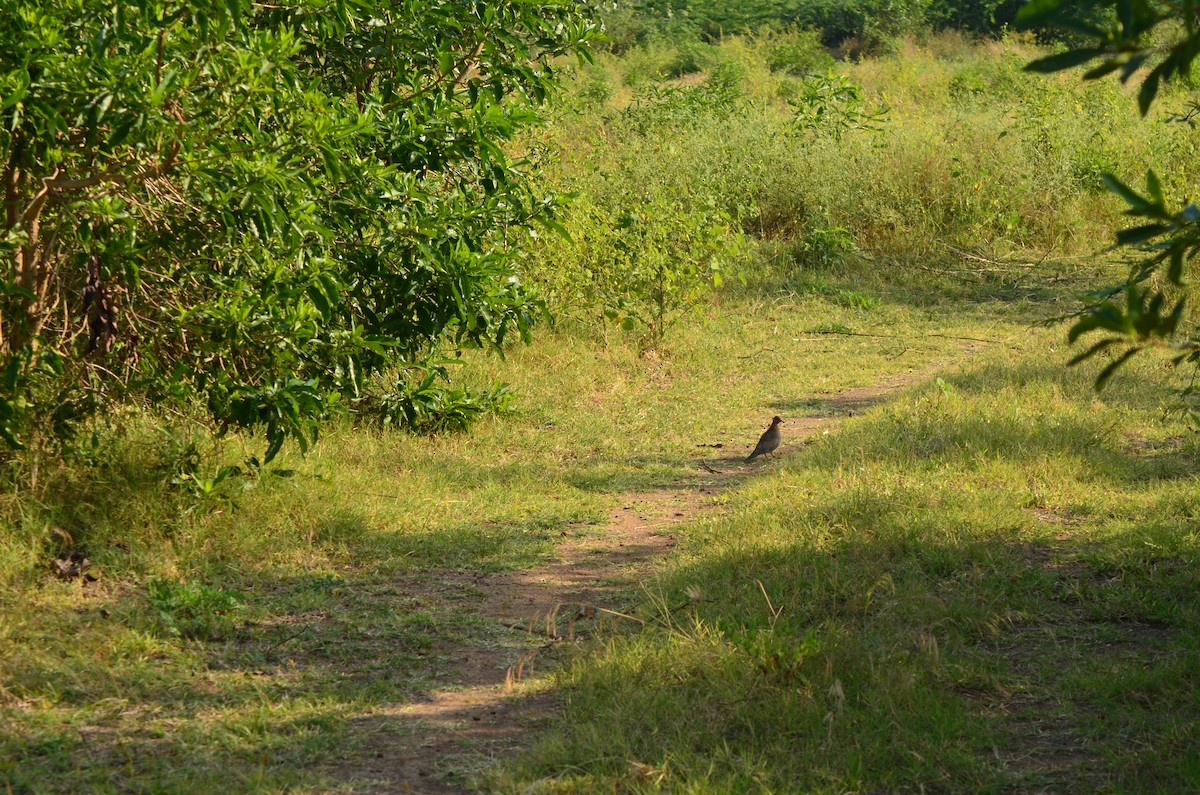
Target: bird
<point>769,441</point>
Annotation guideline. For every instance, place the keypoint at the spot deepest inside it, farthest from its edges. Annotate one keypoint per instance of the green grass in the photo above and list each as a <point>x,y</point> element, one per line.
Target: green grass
<point>984,586</point>
<point>978,165</point>
<point>230,646</point>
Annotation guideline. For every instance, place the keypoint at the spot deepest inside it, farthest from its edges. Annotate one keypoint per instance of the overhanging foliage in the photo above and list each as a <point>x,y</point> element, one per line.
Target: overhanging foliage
<point>1170,235</point>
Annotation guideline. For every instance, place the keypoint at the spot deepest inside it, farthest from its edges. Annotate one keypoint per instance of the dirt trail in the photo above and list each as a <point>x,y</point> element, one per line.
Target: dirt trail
<point>434,744</point>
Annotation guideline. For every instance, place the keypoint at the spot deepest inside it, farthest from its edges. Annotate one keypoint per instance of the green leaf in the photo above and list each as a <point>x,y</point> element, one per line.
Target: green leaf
<point>320,300</point>
<point>1140,234</point>
<point>1037,12</point>
<point>122,131</point>
<point>1065,60</point>
<point>1125,14</point>
<point>1092,351</point>
<point>1136,202</point>
<point>234,8</point>
<point>1108,372</point>
<point>10,438</point>
<point>1107,317</point>
<point>275,438</point>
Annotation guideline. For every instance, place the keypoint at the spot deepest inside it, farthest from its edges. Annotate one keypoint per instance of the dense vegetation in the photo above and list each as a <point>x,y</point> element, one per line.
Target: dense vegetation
<point>1170,231</point>
<point>987,585</point>
<point>763,163</point>
<point>854,26</point>
<point>247,212</point>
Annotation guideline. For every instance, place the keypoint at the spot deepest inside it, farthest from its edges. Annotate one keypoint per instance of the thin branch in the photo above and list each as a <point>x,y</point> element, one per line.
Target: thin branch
<point>162,35</point>
<point>12,182</point>
<point>994,261</point>
<point>757,352</point>
<point>904,336</point>
<point>288,638</point>
<point>39,199</point>
<point>458,69</point>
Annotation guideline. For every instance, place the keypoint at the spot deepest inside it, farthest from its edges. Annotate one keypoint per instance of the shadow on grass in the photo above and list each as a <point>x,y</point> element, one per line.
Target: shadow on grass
<point>893,613</point>
<point>271,703</point>
<point>887,660</point>
<point>945,282</point>
<point>914,601</point>
<point>265,707</point>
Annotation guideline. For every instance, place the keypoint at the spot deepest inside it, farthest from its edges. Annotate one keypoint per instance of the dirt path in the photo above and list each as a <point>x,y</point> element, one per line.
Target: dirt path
<point>486,708</point>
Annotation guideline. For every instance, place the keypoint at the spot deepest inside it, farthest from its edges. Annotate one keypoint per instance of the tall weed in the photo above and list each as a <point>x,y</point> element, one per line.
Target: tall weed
<point>973,154</point>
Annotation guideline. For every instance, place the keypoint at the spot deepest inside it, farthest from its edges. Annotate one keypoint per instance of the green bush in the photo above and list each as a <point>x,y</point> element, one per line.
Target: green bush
<point>976,155</point>
<point>797,52</point>
<point>691,57</point>
<point>421,401</point>
<point>649,237</point>
<point>989,80</point>
<point>639,259</point>
<point>596,91</point>
<point>662,105</point>
<point>241,211</point>
<point>646,62</point>
<point>851,299</point>
<point>833,104</point>
<point>823,247</point>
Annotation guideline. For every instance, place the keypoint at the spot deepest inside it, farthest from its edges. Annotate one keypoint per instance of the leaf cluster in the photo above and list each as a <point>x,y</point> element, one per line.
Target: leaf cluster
<point>833,104</point>
<point>247,211</point>
<point>1170,237</point>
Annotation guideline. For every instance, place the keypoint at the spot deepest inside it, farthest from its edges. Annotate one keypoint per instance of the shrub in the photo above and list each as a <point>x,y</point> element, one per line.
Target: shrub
<point>595,90</point>
<point>242,211</point>
<point>690,57</point>
<point>823,247</point>
<point>661,105</point>
<point>797,52</point>
<point>989,80</point>
<point>418,402</point>
<point>832,104</point>
<point>639,258</point>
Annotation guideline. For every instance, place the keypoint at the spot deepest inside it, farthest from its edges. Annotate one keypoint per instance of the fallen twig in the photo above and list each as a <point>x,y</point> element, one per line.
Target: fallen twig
<point>289,638</point>
<point>838,333</point>
<point>757,352</point>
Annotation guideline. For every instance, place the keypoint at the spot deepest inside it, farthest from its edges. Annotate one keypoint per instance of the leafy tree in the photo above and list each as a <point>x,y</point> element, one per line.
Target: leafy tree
<point>1135,314</point>
<point>258,207</point>
<point>981,16</point>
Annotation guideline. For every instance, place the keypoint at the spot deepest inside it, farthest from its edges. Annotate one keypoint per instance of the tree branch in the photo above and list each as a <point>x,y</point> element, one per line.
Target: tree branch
<point>12,186</point>
<point>459,69</point>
